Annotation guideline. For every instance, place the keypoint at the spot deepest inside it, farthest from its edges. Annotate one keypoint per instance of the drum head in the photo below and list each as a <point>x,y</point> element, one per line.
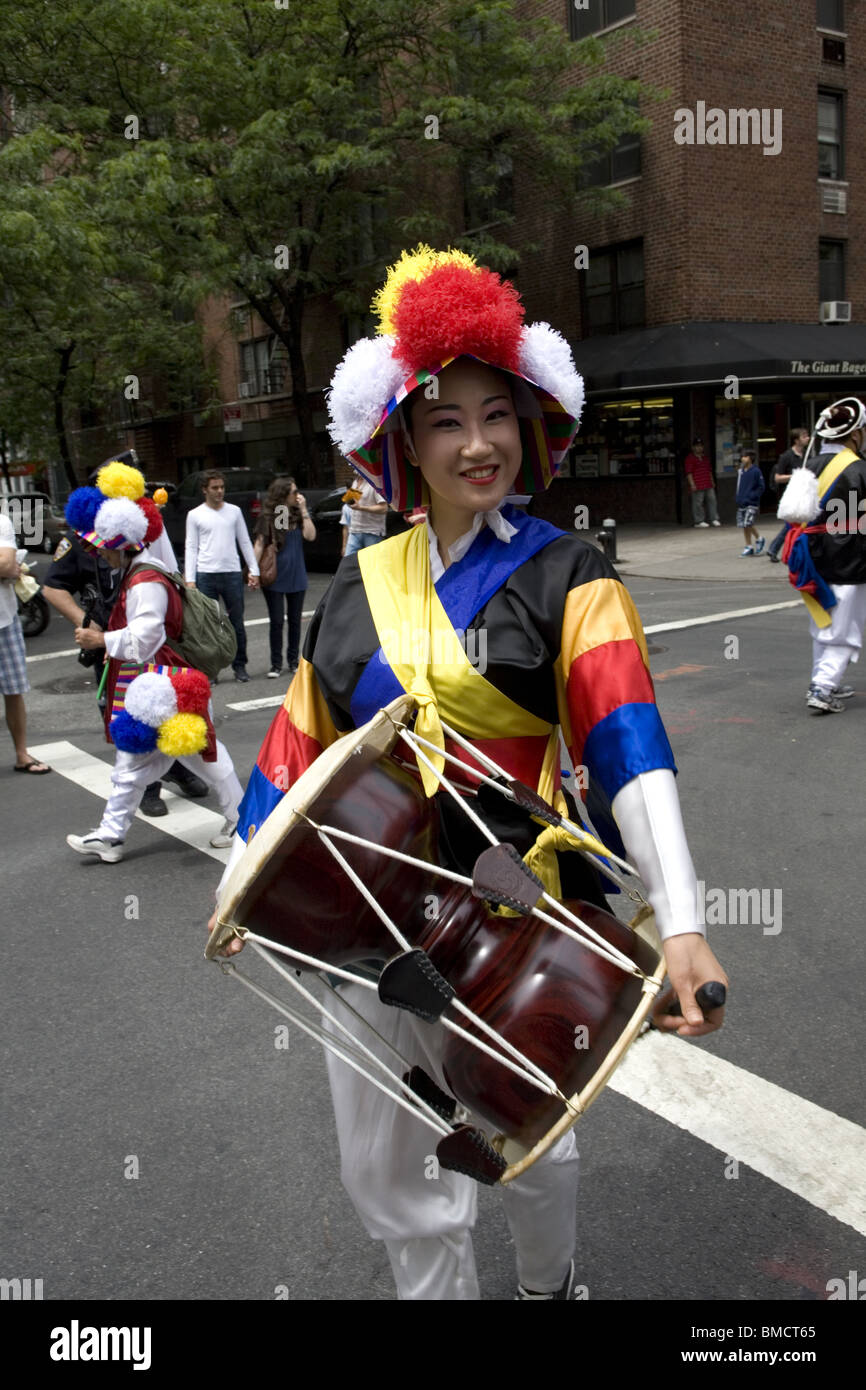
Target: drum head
<point>274,837</point>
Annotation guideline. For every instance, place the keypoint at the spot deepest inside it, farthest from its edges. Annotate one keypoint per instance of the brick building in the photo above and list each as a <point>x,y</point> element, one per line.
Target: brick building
<point>696,307</point>
<point>701,308</point>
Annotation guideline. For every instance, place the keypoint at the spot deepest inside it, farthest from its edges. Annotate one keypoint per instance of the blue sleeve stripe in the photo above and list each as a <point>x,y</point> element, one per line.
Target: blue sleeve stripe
<point>260,798</point>
<point>628,741</point>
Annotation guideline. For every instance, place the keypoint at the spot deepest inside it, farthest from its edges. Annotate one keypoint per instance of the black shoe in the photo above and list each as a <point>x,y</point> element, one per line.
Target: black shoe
<point>774,559</point>
<point>185,781</point>
<point>241,673</point>
<point>152,803</point>
<point>562,1295</point>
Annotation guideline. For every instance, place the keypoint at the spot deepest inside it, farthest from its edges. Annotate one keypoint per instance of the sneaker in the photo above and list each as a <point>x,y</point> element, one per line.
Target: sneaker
<point>225,838</point>
<point>186,781</point>
<point>773,559</point>
<point>109,851</point>
<point>561,1296</point>
<point>839,692</point>
<point>700,525</point>
<point>715,523</point>
<point>748,551</point>
<point>241,673</point>
<point>152,803</point>
<point>274,672</point>
<point>759,548</point>
<point>823,702</point>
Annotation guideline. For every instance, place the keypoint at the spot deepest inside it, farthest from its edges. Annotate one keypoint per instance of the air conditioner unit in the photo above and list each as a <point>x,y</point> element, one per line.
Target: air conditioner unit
<point>246,389</point>
<point>834,198</point>
<point>836,311</point>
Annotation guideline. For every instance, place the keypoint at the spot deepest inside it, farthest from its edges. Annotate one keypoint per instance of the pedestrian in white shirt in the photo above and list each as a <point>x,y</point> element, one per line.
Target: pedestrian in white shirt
<point>13,672</point>
<point>369,520</point>
<point>215,532</point>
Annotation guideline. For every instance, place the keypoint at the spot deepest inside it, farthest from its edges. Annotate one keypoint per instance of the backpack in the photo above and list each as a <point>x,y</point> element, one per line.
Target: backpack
<point>207,639</point>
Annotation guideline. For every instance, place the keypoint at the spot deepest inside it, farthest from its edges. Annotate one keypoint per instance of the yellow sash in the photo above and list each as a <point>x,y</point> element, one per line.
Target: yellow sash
<point>430,662</point>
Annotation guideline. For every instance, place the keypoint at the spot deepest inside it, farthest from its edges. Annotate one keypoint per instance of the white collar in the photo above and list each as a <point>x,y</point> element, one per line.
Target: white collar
<point>502,530</point>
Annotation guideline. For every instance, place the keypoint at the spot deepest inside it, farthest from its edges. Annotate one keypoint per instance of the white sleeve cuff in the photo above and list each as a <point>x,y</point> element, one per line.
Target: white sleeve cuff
<point>647,811</point>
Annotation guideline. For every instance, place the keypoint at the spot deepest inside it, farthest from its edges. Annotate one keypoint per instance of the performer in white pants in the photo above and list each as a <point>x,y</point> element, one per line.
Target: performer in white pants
<point>117,519</point>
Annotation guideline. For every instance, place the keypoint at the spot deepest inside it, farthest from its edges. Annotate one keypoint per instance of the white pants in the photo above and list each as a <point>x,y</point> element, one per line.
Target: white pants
<point>135,771</point>
<point>834,646</point>
<point>425,1214</point>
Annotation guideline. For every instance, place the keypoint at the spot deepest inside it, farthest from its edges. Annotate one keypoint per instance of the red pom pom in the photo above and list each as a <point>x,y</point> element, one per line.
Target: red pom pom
<point>457,311</point>
<point>154,519</point>
<point>192,689</point>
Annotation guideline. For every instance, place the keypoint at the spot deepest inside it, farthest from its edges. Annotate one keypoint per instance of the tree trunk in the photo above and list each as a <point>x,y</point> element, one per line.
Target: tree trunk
<point>4,465</point>
<point>59,419</point>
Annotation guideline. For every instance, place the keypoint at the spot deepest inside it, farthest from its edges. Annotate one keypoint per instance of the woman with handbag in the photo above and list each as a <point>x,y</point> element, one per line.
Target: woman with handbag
<point>283,527</point>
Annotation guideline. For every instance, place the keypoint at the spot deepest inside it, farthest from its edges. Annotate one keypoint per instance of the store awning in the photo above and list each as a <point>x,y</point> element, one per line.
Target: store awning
<point>700,354</point>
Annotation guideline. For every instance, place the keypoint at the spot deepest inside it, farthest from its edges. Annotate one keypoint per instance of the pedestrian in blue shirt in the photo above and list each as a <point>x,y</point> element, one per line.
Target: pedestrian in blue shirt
<point>285,523</point>
<point>750,490</point>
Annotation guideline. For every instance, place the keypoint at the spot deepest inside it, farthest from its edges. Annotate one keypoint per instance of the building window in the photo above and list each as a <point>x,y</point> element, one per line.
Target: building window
<point>831,15</point>
<point>590,16</point>
<point>831,163</point>
<point>618,164</point>
<point>261,373</point>
<point>613,289</point>
<point>831,270</point>
<point>488,190</point>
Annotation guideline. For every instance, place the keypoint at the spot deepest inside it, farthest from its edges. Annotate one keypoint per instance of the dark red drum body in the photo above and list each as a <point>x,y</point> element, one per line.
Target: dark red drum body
<point>563,1006</point>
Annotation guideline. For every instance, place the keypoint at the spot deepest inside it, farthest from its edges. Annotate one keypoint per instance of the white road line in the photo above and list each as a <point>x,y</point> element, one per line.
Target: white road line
<point>722,617</point>
<point>186,820</point>
<point>50,656</point>
<point>73,651</point>
<point>817,1155</point>
<point>267,702</point>
<point>810,1151</point>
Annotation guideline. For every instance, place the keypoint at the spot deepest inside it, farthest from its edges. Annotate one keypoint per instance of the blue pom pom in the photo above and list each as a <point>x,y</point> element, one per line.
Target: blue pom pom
<point>132,735</point>
<point>82,507</point>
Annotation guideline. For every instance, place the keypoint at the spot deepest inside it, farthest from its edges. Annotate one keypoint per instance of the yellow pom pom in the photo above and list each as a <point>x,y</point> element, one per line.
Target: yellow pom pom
<point>119,480</point>
<point>412,265</point>
<point>160,496</point>
<point>182,735</point>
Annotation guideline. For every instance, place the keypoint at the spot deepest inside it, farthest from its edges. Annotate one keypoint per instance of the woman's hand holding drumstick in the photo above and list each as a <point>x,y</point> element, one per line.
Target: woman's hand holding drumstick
<point>690,964</point>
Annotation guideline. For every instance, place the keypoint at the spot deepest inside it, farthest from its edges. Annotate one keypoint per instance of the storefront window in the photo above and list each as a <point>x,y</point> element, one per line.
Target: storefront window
<point>734,432</point>
<point>626,439</point>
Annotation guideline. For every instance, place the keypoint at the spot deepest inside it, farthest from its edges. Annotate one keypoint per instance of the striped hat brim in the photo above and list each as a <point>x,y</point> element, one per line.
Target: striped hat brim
<point>98,542</point>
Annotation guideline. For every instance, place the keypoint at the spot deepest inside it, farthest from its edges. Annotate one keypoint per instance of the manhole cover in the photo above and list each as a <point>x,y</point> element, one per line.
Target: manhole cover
<point>70,685</point>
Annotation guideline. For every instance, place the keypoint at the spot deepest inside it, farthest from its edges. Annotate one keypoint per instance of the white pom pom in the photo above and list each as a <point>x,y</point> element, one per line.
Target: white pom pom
<point>120,517</point>
<point>151,698</point>
<point>546,359</point>
<point>363,384</point>
<point>799,504</point>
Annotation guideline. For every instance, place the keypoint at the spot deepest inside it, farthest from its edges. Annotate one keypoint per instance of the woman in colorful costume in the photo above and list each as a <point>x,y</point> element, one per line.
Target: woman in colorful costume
<point>157,708</point>
<point>510,629</point>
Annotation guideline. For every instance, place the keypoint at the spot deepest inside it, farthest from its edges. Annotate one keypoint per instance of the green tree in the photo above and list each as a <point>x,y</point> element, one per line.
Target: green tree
<point>278,150</point>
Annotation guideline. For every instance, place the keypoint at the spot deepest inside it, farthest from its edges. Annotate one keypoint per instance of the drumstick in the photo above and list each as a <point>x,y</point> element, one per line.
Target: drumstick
<point>712,995</point>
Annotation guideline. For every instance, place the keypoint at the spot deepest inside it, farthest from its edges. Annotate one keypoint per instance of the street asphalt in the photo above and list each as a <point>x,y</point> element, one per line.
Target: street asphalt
<point>157,1144</point>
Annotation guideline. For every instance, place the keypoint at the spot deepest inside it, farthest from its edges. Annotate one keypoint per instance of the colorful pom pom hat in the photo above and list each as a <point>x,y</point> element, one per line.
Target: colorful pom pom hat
<point>436,306</point>
<point>115,514</point>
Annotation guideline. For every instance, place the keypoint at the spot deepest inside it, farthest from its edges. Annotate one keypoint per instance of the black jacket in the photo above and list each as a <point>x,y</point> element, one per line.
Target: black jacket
<point>840,556</point>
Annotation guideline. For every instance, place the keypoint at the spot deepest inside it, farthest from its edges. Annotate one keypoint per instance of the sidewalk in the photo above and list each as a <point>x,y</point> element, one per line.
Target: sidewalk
<point>662,551</point>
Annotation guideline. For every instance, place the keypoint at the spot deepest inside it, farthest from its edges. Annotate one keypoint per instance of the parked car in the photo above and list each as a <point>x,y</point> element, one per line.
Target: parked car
<point>324,552</point>
<point>38,524</point>
<point>245,488</point>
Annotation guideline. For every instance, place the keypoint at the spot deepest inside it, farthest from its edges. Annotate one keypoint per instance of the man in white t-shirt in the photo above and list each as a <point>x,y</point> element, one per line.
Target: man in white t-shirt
<point>214,532</point>
<point>369,519</point>
<point>13,670</point>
